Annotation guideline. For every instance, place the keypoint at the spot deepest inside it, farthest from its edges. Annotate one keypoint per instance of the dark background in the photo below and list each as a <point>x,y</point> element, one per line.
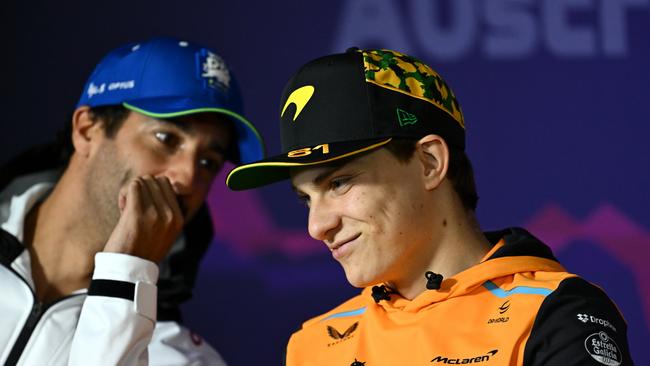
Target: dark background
<point>556,102</point>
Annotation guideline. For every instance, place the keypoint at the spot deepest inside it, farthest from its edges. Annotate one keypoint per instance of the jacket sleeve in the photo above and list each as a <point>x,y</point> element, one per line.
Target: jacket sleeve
<point>118,316</point>
<point>578,324</point>
<point>173,344</point>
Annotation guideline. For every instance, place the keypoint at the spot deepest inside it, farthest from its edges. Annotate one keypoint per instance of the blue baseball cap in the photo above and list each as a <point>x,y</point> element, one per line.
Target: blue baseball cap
<point>165,78</point>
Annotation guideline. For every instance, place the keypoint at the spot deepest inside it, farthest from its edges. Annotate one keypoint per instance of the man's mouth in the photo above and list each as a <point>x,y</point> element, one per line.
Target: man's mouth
<point>341,243</point>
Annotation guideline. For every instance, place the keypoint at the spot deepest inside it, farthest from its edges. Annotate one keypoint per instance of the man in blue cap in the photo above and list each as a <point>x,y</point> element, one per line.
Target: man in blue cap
<point>85,237</point>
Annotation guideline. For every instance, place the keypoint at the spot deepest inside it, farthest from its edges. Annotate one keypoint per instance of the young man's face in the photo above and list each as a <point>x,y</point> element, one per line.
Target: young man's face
<point>371,213</point>
<point>189,151</point>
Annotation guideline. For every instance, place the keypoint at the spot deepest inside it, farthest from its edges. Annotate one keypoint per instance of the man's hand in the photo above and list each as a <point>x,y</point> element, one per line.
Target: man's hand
<point>150,220</point>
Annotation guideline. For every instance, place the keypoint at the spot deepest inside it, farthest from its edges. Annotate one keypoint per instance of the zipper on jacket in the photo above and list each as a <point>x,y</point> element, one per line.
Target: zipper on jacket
<point>38,309</point>
<point>34,316</point>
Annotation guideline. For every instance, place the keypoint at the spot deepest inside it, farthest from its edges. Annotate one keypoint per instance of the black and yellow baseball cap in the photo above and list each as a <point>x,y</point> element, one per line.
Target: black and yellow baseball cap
<point>345,104</point>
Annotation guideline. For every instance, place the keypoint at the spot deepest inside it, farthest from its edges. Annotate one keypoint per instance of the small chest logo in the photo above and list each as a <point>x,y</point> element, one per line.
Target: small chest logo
<point>502,310</point>
<point>504,307</point>
<point>603,349</point>
<point>340,337</point>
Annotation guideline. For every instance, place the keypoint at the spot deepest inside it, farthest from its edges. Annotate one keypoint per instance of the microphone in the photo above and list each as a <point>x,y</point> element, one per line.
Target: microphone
<point>433,280</point>
<point>380,293</point>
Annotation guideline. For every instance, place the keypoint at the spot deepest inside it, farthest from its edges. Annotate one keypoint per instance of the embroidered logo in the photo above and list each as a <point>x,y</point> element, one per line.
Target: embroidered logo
<point>586,318</point>
<point>463,361</point>
<point>340,337</point>
<point>405,118</point>
<point>502,310</point>
<point>94,89</point>
<point>214,70</point>
<point>300,97</point>
<point>603,349</point>
<point>504,307</point>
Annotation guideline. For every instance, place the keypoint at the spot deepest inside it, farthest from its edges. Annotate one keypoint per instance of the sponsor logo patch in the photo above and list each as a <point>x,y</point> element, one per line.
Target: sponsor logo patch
<point>504,307</point>
<point>405,118</point>
<point>94,89</point>
<point>299,97</point>
<point>340,337</point>
<point>463,361</point>
<point>214,71</point>
<point>603,349</point>
<point>115,85</point>
<point>502,310</point>
<point>586,318</point>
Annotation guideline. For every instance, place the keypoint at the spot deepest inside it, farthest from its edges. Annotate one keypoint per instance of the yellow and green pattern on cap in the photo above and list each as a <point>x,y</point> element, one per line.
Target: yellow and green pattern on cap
<point>405,74</point>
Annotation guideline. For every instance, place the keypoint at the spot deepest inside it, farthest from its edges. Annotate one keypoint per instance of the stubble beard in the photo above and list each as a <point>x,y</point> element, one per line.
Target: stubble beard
<point>104,181</point>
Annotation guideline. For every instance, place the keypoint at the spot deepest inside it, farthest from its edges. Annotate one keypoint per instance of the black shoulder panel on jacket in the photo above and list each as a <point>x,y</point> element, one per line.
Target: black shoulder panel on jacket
<point>519,242</point>
<point>578,324</point>
<point>10,248</point>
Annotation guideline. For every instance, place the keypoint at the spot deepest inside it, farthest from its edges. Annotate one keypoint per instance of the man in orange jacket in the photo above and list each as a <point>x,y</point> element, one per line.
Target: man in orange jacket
<point>373,142</point>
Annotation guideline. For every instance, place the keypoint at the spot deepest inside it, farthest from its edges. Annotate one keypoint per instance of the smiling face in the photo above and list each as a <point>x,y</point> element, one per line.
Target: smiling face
<point>371,213</point>
<point>189,150</point>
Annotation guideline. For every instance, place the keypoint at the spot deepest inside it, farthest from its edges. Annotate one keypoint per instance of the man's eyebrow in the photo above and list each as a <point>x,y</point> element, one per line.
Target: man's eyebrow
<point>318,179</point>
<point>217,148</point>
<point>178,124</point>
<point>324,175</point>
<point>185,127</point>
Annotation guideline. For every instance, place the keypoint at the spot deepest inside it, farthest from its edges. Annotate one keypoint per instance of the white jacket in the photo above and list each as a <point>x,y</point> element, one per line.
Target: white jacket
<point>111,323</point>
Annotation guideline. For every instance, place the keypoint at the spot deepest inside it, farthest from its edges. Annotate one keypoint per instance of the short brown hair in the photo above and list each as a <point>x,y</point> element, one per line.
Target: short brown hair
<point>110,116</point>
<point>460,171</point>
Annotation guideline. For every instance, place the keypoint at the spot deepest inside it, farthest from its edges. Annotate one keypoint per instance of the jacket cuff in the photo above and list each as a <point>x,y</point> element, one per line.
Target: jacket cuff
<point>124,267</point>
<point>131,278</point>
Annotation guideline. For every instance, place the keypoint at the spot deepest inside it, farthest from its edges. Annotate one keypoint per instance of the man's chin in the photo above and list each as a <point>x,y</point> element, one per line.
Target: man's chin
<point>359,281</point>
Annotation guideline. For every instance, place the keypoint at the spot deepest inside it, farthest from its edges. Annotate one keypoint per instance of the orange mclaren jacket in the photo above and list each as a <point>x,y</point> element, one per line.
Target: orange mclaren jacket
<point>518,306</point>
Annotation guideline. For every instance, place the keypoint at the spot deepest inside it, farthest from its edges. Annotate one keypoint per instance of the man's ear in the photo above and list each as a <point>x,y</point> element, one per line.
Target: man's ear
<point>85,131</point>
<point>433,153</point>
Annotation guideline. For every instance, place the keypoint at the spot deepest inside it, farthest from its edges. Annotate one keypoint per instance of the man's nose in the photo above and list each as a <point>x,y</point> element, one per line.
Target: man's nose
<point>182,172</point>
<point>323,220</point>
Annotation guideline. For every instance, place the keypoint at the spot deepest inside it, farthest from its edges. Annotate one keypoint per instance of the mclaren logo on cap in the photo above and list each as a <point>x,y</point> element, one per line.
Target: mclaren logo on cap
<point>300,97</point>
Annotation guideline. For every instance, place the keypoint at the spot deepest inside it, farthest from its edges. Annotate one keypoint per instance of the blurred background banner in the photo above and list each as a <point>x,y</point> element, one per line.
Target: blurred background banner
<point>556,96</point>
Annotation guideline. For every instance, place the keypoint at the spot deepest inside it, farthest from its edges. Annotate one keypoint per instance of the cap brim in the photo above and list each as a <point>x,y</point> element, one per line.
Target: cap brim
<point>249,141</point>
<point>277,168</point>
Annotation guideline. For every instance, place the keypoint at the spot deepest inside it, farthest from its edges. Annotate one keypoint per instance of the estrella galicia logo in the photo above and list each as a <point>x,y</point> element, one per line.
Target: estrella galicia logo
<point>603,349</point>
<point>340,337</point>
<point>463,361</point>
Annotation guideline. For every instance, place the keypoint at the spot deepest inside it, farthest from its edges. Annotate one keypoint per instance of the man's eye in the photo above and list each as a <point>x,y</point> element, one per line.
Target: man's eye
<point>169,139</point>
<point>210,164</point>
<point>339,183</point>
